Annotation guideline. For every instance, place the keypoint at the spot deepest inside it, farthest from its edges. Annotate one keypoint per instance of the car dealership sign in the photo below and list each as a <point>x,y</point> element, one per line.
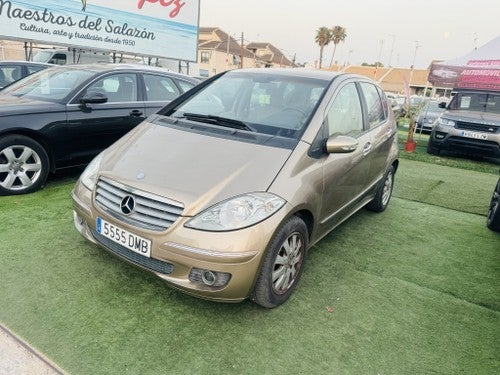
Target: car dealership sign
<point>162,28</point>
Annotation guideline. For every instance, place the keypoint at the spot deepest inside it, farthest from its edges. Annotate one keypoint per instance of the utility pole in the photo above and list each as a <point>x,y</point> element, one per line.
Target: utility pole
<point>392,49</point>
<point>241,52</point>
<point>378,60</point>
<point>417,46</point>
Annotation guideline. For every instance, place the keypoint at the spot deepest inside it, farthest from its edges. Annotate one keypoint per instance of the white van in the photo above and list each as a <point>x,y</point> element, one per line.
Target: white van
<point>61,56</point>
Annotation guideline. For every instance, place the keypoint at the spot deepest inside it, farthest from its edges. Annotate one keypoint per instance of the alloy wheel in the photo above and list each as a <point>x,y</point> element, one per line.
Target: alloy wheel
<point>288,263</point>
<point>20,167</point>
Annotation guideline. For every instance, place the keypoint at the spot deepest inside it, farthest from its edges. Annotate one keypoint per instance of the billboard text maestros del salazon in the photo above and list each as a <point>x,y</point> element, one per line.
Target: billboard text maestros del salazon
<point>163,28</point>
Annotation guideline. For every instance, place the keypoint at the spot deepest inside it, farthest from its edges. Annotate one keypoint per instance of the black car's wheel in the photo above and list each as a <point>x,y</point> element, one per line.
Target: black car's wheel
<point>283,264</point>
<point>431,147</point>
<point>493,221</point>
<point>384,193</point>
<point>24,165</point>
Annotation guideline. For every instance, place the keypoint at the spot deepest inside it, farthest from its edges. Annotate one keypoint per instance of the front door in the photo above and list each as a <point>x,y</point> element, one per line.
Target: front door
<point>93,127</point>
<point>344,175</point>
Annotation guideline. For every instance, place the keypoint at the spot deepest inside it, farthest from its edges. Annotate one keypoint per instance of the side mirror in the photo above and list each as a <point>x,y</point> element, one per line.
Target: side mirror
<point>341,144</point>
<point>442,105</point>
<point>94,98</point>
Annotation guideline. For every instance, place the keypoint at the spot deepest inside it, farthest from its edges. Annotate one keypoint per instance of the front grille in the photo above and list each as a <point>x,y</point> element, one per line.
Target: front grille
<point>151,211</point>
<point>478,146</point>
<point>477,127</point>
<point>148,263</point>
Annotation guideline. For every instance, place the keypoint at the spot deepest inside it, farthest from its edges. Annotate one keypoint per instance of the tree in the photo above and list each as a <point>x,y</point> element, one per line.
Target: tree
<point>338,34</point>
<point>323,38</point>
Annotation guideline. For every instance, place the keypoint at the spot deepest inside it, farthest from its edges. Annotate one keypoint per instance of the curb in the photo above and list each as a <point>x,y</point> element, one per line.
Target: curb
<point>17,357</point>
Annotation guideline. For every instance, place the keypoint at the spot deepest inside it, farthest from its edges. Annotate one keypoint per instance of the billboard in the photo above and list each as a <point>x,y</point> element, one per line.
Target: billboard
<point>160,28</point>
<point>476,74</point>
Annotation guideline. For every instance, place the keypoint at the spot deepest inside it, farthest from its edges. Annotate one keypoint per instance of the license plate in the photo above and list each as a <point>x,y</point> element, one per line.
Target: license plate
<point>474,135</point>
<point>125,238</point>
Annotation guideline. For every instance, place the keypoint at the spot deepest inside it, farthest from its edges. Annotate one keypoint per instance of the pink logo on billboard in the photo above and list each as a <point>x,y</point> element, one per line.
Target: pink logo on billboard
<point>484,63</point>
<point>177,5</point>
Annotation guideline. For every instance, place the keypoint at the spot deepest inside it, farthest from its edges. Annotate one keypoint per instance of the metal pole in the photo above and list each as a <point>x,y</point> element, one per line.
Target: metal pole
<point>241,52</point>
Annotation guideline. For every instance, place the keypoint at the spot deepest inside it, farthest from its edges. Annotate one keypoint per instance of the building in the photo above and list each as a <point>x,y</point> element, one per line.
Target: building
<point>219,51</point>
<point>269,56</point>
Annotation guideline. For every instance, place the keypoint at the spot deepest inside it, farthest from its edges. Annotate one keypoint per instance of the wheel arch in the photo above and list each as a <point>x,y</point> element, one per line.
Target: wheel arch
<point>42,140</point>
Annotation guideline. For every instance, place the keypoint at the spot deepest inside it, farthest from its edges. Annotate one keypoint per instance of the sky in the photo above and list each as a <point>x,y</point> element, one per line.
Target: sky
<point>394,32</point>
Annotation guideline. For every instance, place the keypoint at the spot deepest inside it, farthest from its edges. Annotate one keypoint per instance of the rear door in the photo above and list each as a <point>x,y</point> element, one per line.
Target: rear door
<point>381,129</point>
<point>161,90</point>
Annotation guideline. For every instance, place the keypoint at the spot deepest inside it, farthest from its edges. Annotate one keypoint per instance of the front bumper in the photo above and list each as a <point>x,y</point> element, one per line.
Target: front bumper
<point>178,252</point>
<point>452,139</point>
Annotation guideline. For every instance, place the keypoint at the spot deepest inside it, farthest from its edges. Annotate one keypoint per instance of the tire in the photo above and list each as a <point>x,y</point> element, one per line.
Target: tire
<point>24,165</point>
<point>384,193</point>
<point>431,147</point>
<point>493,220</point>
<point>283,264</point>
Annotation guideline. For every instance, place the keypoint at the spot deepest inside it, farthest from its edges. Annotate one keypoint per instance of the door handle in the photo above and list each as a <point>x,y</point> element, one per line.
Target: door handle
<point>135,113</point>
<point>367,148</point>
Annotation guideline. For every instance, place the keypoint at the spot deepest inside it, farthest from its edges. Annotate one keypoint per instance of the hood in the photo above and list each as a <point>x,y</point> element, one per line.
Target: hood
<point>12,105</point>
<point>486,118</point>
<point>196,169</point>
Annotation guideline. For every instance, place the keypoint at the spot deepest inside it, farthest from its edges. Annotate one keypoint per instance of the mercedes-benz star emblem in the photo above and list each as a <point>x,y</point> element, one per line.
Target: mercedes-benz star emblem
<point>127,204</point>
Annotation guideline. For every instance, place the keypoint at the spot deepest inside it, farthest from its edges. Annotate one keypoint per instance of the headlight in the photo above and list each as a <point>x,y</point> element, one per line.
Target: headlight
<point>445,122</point>
<point>237,213</point>
<point>89,175</point>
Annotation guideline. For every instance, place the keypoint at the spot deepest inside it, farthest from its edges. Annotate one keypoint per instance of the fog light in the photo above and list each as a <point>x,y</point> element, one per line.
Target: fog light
<point>209,278</point>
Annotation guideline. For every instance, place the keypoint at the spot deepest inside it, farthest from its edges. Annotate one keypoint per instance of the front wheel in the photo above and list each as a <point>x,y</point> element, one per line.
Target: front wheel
<point>384,193</point>
<point>493,221</point>
<point>283,264</point>
<point>24,165</point>
<point>431,147</point>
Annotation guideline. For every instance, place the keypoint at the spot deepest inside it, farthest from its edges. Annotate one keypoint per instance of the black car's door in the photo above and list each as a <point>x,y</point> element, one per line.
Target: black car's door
<point>94,126</point>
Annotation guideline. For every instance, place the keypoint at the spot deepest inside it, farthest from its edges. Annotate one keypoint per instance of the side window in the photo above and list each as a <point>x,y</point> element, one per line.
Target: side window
<point>58,59</point>
<point>374,103</point>
<point>159,88</point>
<point>117,87</point>
<point>9,74</point>
<point>185,86</point>
<point>385,102</point>
<point>345,116</point>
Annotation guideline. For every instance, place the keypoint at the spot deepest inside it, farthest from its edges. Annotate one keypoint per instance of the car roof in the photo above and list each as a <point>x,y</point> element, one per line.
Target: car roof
<point>109,67</point>
<point>21,62</point>
<point>295,72</point>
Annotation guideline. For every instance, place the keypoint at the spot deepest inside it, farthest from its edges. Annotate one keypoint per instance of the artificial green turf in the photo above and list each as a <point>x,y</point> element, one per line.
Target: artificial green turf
<point>459,189</point>
<point>413,290</point>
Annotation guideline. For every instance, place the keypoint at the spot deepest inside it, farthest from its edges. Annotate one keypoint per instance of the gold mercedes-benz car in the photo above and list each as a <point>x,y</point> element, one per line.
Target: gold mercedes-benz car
<point>223,191</point>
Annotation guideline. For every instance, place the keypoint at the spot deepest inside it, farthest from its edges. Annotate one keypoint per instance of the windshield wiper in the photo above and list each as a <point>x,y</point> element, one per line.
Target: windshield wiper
<point>223,121</point>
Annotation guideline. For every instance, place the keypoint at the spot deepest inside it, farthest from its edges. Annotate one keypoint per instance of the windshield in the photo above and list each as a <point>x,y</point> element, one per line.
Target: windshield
<point>475,101</point>
<point>51,84</point>
<point>267,103</point>
<point>42,56</point>
<point>433,107</point>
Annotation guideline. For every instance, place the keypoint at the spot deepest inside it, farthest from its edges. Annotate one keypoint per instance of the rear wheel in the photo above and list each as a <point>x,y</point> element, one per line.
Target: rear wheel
<point>431,147</point>
<point>283,264</point>
<point>493,221</point>
<point>384,193</point>
<point>24,165</point>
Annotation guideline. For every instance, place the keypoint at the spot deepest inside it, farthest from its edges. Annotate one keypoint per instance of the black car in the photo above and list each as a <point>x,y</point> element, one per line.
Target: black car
<point>427,116</point>
<point>493,220</point>
<point>65,115</point>
<point>12,71</point>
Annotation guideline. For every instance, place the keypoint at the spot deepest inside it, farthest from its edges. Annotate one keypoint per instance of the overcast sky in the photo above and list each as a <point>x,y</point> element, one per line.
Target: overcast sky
<point>444,29</point>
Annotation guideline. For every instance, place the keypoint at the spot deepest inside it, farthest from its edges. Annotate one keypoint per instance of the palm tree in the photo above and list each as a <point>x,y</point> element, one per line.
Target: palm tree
<point>323,37</point>
<point>338,35</point>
